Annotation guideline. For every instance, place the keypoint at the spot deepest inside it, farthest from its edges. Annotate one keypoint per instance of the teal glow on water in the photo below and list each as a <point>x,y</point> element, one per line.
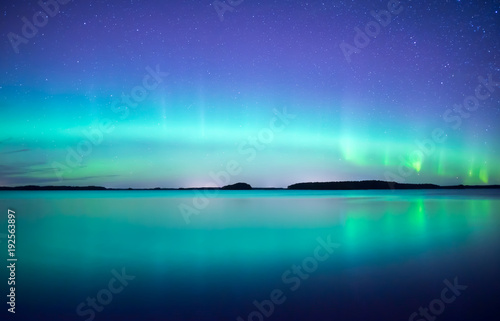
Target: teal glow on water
<point>393,245</point>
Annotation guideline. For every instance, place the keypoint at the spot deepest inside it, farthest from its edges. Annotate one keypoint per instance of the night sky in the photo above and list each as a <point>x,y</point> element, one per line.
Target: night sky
<point>171,93</point>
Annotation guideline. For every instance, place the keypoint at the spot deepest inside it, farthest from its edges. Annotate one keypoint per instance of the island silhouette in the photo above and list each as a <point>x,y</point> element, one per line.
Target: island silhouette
<point>342,185</point>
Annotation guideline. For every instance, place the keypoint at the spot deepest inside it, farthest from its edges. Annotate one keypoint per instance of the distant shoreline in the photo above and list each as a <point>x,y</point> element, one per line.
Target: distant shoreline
<point>318,186</point>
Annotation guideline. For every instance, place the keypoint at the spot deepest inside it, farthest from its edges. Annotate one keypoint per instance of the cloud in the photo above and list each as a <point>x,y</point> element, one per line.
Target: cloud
<point>7,139</point>
<point>21,169</point>
<point>22,175</point>
<point>17,151</point>
<point>90,177</point>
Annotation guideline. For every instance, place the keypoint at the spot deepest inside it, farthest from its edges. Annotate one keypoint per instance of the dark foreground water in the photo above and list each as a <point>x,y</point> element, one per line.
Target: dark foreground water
<point>254,255</point>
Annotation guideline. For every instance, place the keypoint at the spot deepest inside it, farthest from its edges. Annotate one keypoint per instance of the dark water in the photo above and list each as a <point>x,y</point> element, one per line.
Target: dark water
<point>343,255</point>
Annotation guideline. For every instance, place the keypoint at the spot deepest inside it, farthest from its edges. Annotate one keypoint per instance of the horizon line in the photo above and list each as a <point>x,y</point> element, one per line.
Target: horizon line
<point>390,185</point>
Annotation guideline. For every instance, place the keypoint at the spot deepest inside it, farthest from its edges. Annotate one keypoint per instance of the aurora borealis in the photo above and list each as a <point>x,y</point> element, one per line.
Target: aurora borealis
<point>164,93</point>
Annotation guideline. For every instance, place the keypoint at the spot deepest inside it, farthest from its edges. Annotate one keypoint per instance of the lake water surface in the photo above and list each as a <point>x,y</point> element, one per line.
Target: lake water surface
<point>255,255</point>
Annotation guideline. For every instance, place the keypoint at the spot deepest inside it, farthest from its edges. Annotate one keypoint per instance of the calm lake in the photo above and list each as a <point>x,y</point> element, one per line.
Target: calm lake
<point>254,255</point>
